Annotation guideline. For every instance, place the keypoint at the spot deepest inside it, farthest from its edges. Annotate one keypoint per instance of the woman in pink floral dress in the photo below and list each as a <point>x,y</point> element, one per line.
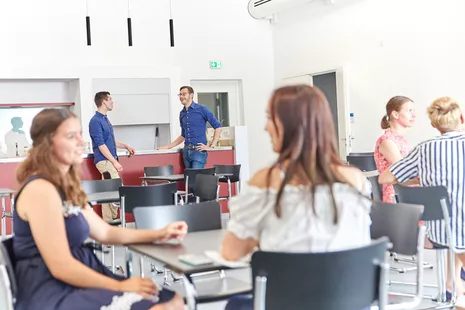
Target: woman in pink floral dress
<point>392,145</point>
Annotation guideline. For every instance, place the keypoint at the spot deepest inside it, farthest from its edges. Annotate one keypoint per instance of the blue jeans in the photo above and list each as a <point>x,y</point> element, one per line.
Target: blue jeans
<point>194,158</point>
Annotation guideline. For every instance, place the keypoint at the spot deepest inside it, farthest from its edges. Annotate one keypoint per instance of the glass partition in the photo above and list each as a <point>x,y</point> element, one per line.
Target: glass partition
<point>15,125</point>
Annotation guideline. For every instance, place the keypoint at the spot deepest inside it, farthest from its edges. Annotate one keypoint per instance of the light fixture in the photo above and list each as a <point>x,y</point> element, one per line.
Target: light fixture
<point>171,27</point>
<point>89,41</point>
<point>129,27</point>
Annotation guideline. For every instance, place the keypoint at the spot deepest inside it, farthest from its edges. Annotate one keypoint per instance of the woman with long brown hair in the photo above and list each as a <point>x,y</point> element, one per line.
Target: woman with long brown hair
<point>54,267</point>
<point>308,200</point>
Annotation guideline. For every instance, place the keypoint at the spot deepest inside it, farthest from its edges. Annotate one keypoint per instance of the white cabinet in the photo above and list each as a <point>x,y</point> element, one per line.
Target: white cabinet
<point>137,101</point>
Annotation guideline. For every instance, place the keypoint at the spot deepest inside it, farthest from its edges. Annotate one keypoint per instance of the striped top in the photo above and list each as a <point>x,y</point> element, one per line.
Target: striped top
<point>439,162</point>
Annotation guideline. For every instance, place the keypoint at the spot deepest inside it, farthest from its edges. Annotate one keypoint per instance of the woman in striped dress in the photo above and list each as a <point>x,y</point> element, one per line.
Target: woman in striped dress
<point>440,162</point>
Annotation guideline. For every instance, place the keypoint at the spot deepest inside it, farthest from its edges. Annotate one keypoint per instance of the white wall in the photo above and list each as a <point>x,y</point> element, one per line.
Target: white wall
<point>46,39</point>
<point>414,48</point>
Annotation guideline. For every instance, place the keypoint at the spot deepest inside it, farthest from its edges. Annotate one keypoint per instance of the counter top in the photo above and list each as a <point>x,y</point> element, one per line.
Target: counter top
<point>124,153</point>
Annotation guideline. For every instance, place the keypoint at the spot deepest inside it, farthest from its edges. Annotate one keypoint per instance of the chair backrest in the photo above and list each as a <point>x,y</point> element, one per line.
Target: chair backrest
<point>376,188</point>
<point>430,197</point>
<point>98,186</point>
<point>8,286</point>
<point>235,170</point>
<point>191,173</point>
<point>206,187</point>
<point>141,196</point>
<point>398,222</point>
<point>199,217</point>
<point>158,171</point>
<point>363,161</point>
<point>326,280</point>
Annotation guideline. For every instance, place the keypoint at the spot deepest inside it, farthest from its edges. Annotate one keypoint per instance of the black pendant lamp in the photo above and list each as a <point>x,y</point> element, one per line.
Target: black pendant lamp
<point>89,41</point>
<point>171,27</point>
<point>129,26</point>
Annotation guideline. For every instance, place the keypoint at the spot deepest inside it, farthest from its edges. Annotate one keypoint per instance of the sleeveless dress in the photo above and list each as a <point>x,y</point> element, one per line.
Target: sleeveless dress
<point>382,163</point>
<point>38,289</point>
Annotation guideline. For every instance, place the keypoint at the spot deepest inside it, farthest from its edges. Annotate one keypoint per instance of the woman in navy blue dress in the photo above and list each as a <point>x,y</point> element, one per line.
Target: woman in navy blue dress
<point>54,269</point>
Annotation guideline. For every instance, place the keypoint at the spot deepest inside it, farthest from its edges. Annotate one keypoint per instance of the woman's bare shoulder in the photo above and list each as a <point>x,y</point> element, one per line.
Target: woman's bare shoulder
<point>352,175</point>
<point>261,177</point>
<point>37,192</point>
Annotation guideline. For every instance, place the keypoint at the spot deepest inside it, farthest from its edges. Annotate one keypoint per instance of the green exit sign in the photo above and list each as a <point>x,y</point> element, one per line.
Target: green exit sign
<point>215,64</point>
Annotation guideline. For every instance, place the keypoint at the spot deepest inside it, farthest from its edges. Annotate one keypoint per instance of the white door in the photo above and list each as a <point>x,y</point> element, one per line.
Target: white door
<point>333,84</point>
<point>223,90</point>
<point>301,79</point>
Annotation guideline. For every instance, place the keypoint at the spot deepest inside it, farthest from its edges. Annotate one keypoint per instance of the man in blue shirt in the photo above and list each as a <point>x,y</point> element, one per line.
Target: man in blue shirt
<point>193,119</point>
<point>104,145</point>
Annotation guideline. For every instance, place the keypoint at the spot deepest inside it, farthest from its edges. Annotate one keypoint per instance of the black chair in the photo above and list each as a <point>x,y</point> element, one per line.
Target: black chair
<point>141,196</point>
<point>189,177</point>
<point>99,186</point>
<point>435,199</point>
<point>377,189</point>
<point>326,280</point>
<point>206,187</point>
<point>399,223</point>
<point>158,171</point>
<point>8,286</point>
<point>363,161</point>
<point>144,196</point>
<point>199,217</point>
<point>106,185</point>
<point>235,170</point>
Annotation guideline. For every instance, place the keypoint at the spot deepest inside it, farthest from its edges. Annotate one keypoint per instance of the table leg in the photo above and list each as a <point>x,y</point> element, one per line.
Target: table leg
<point>141,265</point>
<point>12,208</point>
<point>3,217</point>
<point>191,292</point>
<point>128,256</point>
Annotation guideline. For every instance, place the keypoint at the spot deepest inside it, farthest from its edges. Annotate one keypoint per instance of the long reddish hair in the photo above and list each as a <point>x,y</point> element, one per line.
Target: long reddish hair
<point>309,140</point>
<point>42,161</point>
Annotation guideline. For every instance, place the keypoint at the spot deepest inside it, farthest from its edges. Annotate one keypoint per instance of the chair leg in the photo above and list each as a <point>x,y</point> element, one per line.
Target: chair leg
<point>154,268</point>
<point>113,258</point>
<point>412,260</point>
<point>175,277</point>
<point>441,260</point>
<point>141,266</point>
<point>103,257</point>
<point>229,189</point>
<point>165,277</point>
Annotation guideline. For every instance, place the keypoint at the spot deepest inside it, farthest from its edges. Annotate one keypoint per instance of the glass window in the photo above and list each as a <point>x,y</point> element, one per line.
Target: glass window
<point>15,125</point>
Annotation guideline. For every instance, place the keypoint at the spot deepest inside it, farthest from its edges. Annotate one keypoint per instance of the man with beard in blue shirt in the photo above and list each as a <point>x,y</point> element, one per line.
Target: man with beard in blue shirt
<point>193,118</point>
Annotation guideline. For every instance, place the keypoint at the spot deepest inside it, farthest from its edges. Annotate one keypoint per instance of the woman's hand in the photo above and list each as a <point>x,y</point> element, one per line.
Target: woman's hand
<point>176,230</point>
<point>142,286</point>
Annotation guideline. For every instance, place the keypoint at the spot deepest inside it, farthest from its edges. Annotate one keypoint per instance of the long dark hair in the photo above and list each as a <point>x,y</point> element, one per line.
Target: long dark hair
<point>41,159</point>
<point>308,139</point>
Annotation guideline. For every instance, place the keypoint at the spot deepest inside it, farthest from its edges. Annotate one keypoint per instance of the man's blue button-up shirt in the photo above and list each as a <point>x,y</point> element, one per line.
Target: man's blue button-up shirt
<point>101,132</point>
<point>194,123</point>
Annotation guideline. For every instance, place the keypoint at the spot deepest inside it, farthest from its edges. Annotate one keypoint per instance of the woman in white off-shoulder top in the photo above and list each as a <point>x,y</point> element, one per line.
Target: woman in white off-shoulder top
<point>308,201</point>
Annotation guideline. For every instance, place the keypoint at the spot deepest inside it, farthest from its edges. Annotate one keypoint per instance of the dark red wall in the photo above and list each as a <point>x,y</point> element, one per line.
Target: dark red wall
<point>133,168</point>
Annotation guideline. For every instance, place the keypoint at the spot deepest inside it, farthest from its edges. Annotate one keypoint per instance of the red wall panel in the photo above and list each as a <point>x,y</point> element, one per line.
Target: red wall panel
<point>133,168</point>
